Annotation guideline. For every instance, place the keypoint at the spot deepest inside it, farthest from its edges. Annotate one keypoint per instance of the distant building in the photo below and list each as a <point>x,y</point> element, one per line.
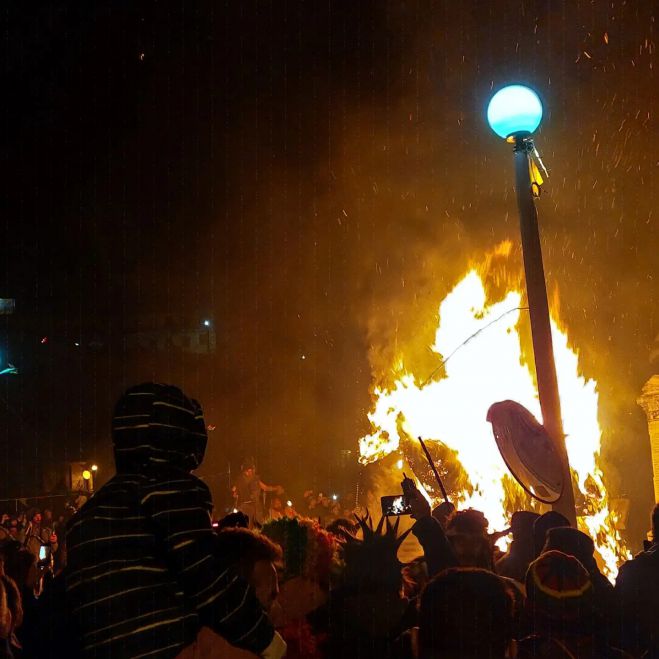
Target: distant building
<point>7,306</point>
<point>161,333</point>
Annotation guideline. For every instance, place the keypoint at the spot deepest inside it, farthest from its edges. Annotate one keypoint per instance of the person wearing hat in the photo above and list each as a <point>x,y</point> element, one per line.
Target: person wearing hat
<point>247,492</point>
<point>38,534</point>
<point>576,543</point>
<point>143,574</point>
<point>561,611</point>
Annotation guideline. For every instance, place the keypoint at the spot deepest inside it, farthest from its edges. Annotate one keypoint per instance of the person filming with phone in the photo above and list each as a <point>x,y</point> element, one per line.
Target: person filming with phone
<point>40,540</point>
<point>437,549</point>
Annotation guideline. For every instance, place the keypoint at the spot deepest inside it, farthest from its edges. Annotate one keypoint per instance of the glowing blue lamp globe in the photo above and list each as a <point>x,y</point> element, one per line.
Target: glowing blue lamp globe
<point>514,110</point>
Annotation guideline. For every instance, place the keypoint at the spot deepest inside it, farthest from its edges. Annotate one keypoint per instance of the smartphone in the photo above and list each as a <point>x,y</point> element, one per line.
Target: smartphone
<point>43,553</point>
<point>396,504</point>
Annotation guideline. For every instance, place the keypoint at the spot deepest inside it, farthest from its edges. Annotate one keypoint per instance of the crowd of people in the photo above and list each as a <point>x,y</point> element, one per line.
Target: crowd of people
<point>141,571</point>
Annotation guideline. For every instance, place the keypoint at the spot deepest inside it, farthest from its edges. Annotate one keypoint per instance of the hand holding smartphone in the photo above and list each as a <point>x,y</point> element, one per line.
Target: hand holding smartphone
<point>45,554</point>
<point>400,504</point>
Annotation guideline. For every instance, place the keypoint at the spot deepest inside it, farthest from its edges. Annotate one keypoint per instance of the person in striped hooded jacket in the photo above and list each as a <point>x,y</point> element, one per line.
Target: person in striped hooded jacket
<point>143,574</point>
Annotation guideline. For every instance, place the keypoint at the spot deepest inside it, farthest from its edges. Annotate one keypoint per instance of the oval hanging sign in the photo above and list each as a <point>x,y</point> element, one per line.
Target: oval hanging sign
<point>527,449</point>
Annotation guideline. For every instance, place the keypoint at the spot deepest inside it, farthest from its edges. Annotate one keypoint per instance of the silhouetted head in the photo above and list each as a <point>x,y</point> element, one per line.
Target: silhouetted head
<point>443,512</point>
<point>465,612</point>
<point>521,524</point>
<point>549,520</point>
<point>255,557</point>
<point>467,532</point>
<point>573,542</point>
<point>248,467</point>
<point>157,425</point>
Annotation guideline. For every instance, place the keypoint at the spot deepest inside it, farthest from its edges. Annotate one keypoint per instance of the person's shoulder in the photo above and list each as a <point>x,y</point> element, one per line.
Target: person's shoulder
<point>118,484</point>
<point>197,483</point>
<point>651,554</point>
<point>645,560</point>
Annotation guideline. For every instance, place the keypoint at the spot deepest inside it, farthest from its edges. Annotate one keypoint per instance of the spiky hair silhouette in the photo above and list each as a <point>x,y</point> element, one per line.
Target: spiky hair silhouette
<point>372,562</point>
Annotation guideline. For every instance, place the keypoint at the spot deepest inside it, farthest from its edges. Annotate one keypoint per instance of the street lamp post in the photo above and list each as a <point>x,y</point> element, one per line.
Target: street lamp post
<point>513,113</point>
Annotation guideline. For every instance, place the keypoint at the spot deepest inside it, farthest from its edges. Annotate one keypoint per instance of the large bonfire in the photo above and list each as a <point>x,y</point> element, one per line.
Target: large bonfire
<point>485,337</point>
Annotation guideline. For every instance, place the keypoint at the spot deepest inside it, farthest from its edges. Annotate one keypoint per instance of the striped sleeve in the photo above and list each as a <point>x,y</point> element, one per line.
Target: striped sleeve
<point>180,512</point>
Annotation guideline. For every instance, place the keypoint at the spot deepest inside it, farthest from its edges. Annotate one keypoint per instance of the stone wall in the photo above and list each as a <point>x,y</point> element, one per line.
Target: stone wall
<point>649,401</point>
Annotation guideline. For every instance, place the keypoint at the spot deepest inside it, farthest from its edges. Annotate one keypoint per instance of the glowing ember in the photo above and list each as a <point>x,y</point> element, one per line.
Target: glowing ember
<point>489,368</point>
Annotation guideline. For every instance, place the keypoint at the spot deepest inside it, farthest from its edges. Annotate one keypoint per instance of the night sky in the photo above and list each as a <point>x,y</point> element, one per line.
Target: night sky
<point>314,177</point>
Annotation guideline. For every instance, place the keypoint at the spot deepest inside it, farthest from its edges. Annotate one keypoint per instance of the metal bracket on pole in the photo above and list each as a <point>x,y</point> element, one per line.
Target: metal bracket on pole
<point>537,168</point>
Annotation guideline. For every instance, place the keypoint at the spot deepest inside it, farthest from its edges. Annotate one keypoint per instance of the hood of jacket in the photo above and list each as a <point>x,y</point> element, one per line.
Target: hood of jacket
<point>157,425</point>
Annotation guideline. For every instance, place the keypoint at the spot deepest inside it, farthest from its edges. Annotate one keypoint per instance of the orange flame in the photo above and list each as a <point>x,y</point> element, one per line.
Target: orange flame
<point>488,368</point>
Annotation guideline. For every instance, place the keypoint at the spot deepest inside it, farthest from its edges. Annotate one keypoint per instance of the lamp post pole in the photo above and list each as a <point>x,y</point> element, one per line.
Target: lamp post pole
<point>543,350</point>
<point>207,325</point>
<point>513,113</point>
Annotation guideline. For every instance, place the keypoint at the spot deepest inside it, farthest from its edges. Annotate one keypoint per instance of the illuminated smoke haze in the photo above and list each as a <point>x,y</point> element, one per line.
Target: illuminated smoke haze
<point>315,178</point>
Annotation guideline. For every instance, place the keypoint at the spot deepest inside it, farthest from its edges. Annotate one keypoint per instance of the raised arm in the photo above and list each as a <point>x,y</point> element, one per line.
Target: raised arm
<point>437,549</point>
<point>271,488</point>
